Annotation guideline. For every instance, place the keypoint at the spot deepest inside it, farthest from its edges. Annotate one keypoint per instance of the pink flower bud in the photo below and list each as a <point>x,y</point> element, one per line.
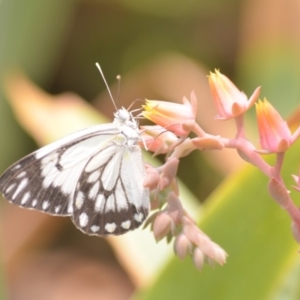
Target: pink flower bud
<point>150,220</point>
<point>229,101</point>
<point>206,246</point>
<point>198,258</point>
<point>177,118</point>
<point>219,255</point>
<point>174,208</point>
<point>152,177</point>
<point>182,246</point>
<point>274,133</point>
<point>162,225</point>
<point>203,243</point>
<point>191,231</point>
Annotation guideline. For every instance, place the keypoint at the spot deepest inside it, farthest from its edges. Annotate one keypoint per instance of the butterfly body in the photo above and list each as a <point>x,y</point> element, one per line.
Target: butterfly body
<point>95,176</point>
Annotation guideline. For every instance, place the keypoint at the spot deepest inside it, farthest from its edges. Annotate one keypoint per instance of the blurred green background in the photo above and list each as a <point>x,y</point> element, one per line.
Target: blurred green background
<point>163,50</point>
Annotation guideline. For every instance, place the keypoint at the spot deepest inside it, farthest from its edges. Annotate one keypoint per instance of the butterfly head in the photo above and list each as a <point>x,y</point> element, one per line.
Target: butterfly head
<point>124,117</point>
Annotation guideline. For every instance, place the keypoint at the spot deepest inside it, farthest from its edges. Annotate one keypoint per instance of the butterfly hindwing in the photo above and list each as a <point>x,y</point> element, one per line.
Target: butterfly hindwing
<point>104,202</point>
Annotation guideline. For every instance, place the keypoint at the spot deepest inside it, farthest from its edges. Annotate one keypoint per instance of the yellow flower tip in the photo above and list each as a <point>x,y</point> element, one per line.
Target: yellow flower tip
<point>218,73</point>
<point>275,135</point>
<point>149,105</point>
<point>171,116</point>
<point>213,76</point>
<point>229,101</point>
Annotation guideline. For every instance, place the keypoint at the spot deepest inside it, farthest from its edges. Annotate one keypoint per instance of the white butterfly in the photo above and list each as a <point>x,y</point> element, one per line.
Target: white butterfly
<point>95,176</point>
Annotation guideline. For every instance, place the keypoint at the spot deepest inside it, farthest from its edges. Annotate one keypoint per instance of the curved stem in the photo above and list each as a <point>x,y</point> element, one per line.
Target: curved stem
<point>248,149</point>
<point>278,165</point>
<point>239,121</point>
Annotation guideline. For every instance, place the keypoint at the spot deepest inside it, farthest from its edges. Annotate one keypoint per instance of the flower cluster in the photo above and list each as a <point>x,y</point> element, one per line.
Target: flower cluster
<point>174,122</point>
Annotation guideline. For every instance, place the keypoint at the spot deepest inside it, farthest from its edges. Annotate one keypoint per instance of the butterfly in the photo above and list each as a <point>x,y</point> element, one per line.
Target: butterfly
<point>95,176</point>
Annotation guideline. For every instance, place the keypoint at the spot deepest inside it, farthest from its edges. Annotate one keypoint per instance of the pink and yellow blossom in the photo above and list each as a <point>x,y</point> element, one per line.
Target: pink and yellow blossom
<point>274,133</point>
<point>229,101</point>
<point>174,117</point>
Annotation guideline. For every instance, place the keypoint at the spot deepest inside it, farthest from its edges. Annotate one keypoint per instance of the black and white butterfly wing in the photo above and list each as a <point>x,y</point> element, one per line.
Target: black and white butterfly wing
<point>110,197</point>
<point>95,176</point>
<point>46,179</point>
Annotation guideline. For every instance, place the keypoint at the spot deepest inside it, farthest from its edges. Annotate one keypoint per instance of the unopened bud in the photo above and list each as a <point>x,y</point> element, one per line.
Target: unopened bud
<point>198,258</point>
<point>161,225</point>
<point>152,177</point>
<point>182,245</point>
<point>174,208</point>
<point>220,255</point>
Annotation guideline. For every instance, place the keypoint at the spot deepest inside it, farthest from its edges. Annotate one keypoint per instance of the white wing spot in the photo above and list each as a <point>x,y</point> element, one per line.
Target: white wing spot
<point>110,227</point>
<point>70,208</point>
<point>57,208</point>
<point>126,224</point>
<point>94,190</point>
<point>21,174</point>
<point>99,202</point>
<point>34,203</point>
<point>16,167</point>
<point>95,228</point>
<point>45,205</point>
<point>10,188</point>
<point>25,198</point>
<point>79,200</point>
<point>94,176</point>
<point>110,203</point>
<point>21,186</point>
<point>83,219</point>
<point>49,158</point>
<point>138,217</point>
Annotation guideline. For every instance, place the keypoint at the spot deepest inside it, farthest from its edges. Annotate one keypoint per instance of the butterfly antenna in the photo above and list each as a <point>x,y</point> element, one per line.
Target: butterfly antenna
<point>119,86</point>
<point>109,92</point>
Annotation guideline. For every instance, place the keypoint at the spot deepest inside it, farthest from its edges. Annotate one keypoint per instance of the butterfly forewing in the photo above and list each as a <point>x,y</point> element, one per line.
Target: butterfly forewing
<point>95,176</point>
<point>23,185</point>
<point>46,179</point>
